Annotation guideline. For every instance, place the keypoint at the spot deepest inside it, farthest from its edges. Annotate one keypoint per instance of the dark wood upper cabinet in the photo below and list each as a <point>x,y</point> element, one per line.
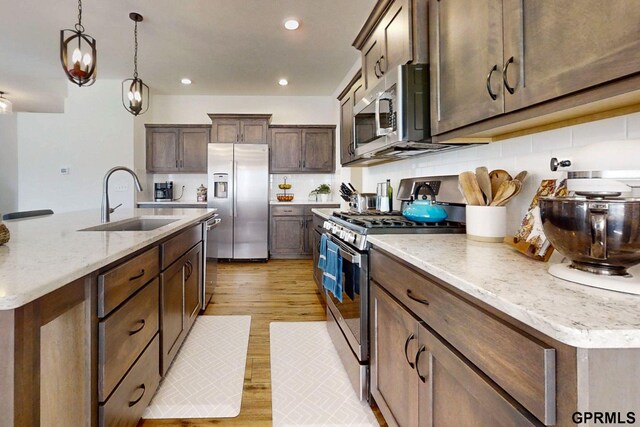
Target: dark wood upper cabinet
<point>516,64</point>
<point>240,128</point>
<point>194,149</point>
<point>564,46</point>
<point>162,149</point>
<point>302,149</point>
<point>317,150</point>
<point>466,62</point>
<point>394,34</point>
<point>286,150</point>
<point>348,98</point>
<point>177,148</point>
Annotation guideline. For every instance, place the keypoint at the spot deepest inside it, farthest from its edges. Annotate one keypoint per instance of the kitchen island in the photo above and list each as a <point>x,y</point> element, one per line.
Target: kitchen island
<point>497,330</point>
<point>91,320</point>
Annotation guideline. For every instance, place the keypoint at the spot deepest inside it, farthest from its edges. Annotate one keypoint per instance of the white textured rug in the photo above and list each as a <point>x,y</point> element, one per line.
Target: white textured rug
<point>309,384</point>
<point>206,378</point>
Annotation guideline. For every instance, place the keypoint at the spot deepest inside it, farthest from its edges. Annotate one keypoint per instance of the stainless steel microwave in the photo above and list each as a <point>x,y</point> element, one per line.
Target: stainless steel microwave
<point>392,121</point>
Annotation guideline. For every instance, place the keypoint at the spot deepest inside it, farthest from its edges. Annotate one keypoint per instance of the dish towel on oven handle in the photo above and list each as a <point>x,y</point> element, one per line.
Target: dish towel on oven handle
<point>332,274</point>
<point>322,258</point>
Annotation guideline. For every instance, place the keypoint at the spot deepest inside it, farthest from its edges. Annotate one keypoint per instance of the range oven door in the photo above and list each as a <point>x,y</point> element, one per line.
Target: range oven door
<point>347,321</point>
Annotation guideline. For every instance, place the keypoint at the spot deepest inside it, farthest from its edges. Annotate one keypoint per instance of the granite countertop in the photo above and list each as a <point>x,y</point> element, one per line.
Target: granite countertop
<point>302,202</point>
<point>499,276</point>
<point>323,212</point>
<point>47,252</point>
<point>175,204</point>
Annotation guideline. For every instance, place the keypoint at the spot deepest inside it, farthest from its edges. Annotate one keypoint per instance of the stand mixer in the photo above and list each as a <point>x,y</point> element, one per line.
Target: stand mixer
<point>597,229</point>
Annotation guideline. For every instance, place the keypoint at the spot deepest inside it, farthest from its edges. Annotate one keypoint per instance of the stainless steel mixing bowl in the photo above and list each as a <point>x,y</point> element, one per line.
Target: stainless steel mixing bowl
<point>599,236</point>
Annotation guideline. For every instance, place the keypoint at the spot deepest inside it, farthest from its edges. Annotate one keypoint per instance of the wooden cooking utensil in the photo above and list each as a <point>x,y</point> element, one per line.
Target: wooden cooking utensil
<point>505,191</point>
<point>470,188</point>
<point>497,177</point>
<point>518,188</point>
<point>521,176</point>
<point>482,175</point>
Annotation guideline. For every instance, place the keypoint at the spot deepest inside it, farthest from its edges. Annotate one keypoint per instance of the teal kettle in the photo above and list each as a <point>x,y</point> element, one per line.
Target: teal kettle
<point>424,210</point>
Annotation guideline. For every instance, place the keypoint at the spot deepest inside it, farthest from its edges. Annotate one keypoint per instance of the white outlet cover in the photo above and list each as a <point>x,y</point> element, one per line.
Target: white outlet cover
<point>65,170</point>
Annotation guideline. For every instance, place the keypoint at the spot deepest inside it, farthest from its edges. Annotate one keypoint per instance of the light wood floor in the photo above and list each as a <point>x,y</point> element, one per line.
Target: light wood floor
<point>280,290</point>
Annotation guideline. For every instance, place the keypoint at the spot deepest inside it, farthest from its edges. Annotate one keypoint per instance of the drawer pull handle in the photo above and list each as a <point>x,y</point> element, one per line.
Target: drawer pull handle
<point>420,300</point>
<point>422,377</point>
<point>406,348</point>
<point>491,94</point>
<point>135,331</point>
<point>505,79</point>
<point>134,402</point>
<point>137,276</point>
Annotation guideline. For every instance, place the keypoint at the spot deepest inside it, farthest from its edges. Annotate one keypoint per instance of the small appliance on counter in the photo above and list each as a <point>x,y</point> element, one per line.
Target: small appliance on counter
<point>597,229</point>
<point>163,191</point>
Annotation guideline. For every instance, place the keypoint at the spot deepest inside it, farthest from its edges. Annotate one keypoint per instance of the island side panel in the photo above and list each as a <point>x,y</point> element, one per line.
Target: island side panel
<point>608,381</point>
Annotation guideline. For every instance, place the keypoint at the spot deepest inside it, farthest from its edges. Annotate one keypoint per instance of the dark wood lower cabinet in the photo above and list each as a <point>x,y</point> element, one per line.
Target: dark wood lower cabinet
<point>180,303</point>
<point>292,232</point>
<point>419,380</point>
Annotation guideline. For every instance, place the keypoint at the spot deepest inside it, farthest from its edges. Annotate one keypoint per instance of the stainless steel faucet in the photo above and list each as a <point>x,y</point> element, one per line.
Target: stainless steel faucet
<point>106,210</point>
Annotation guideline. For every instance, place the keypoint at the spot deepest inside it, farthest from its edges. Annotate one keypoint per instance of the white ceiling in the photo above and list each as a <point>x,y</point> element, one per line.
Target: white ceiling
<point>227,47</point>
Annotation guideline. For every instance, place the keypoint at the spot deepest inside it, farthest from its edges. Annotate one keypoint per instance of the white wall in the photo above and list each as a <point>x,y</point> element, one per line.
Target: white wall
<point>94,134</point>
<point>8,163</point>
<point>293,110</point>
<point>587,145</point>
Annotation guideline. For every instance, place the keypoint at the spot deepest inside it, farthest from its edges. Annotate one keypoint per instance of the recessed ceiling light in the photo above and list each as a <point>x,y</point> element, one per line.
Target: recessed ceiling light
<point>283,82</point>
<point>291,24</point>
<point>186,81</point>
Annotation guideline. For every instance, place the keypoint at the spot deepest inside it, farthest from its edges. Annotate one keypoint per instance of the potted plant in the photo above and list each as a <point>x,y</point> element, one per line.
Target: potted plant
<point>323,192</point>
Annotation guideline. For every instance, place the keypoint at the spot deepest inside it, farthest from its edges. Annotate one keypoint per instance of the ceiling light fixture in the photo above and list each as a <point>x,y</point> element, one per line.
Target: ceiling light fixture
<point>5,104</point>
<point>283,82</point>
<point>135,94</point>
<point>186,81</point>
<point>291,24</point>
<point>80,68</point>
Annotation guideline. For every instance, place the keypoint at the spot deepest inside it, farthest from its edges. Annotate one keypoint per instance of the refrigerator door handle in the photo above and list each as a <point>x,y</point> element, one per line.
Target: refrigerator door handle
<point>235,189</point>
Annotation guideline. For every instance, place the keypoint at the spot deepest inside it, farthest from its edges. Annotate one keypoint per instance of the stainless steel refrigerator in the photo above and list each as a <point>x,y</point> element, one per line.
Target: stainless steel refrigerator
<point>239,188</point>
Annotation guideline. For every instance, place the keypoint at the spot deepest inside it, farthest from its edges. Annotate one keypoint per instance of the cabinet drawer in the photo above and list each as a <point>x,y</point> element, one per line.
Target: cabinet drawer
<point>287,210</point>
<point>123,336</point>
<point>117,284</point>
<point>517,362</point>
<point>130,399</point>
<point>178,245</point>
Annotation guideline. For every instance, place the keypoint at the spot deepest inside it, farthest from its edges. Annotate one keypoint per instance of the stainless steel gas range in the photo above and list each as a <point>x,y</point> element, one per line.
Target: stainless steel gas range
<point>348,321</point>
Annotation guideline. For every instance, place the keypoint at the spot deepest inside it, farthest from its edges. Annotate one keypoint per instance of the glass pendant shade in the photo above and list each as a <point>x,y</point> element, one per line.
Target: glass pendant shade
<point>6,106</point>
<point>135,96</point>
<point>78,54</point>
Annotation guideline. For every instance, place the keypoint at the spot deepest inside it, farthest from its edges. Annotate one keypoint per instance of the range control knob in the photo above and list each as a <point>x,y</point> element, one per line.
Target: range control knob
<point>326,225</point>
<point>351,238</point>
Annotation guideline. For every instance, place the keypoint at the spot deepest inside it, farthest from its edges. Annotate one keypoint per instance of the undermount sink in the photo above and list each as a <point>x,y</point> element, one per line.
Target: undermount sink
<point>132,224</point>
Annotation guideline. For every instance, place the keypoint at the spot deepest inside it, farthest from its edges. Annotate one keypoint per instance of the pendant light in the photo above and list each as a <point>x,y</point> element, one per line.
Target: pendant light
<point>135,94</point>
<point>80,67</point>
<point>5,104</point>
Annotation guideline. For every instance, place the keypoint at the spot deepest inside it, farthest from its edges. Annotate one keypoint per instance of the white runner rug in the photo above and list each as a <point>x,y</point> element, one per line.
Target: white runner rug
<point>206,377</point>
<point>309,384</point>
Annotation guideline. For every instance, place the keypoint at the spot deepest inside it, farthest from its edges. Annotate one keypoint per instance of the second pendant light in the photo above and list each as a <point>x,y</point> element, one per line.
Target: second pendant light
<point>135,94</point>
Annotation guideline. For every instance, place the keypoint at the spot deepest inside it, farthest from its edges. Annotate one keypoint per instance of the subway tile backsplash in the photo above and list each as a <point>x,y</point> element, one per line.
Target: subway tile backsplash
<point>303,184</point>
<point>593,146</point>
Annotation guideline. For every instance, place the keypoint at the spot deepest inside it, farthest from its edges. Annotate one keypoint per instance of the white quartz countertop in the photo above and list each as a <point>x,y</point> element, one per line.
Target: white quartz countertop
<point>499,276</point>
<point>323,212</point>
<point>172,204</point>
<point>47,252</point>
<point>303,202</point>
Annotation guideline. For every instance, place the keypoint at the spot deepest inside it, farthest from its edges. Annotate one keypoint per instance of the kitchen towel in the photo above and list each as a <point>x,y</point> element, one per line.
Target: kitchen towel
<point>351,277</point>
<point>322,258</point>
<point>332,275</point>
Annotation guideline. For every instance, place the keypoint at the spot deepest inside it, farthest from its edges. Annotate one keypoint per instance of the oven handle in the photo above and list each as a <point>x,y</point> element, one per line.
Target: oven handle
<point>345,252</point>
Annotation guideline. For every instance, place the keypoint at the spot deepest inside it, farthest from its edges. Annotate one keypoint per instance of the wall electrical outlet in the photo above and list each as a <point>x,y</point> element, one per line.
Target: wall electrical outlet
<point>65,170</point>
<point>121,187</point>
